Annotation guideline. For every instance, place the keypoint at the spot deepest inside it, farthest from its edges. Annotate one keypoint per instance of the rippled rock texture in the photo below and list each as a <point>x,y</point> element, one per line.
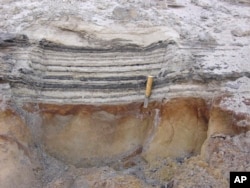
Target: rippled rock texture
<point>72,84</point>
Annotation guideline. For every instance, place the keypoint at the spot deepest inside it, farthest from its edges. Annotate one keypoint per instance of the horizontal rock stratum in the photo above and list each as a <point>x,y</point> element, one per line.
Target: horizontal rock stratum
<point>66,58</point>
<point>51,72</point>
<point>105,70</point>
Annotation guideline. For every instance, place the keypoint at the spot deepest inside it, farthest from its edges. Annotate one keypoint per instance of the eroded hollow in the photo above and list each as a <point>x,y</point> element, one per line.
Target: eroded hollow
<point>126,138</point>
<point>99,135</point>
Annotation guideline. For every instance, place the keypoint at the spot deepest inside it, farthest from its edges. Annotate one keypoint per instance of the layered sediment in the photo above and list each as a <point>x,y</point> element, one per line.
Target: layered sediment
<point>110,72</point>
<point>69,74</point>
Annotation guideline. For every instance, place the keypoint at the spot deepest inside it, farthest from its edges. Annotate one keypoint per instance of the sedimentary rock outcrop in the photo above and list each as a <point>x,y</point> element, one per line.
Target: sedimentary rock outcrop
<point>99,64</point>
<point>72,81</point>
<point>112,70</point>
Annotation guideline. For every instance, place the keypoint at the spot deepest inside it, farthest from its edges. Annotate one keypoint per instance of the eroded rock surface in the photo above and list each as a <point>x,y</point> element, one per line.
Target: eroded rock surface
<point>17,160</point>
<point>93,136</point>
<point>180,130</point>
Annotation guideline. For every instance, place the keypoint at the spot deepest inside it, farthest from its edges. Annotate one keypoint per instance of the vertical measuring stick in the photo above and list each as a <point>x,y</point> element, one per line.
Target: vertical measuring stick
<point>148,90</point>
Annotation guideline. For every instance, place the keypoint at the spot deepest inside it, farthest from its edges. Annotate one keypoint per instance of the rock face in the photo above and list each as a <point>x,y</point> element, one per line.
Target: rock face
<point>111,71</point>
<point>181,130</point>
<point>91,136</point>
<point>17,161</point>
<point>147,147</point>
<point>63,58</point>
<point>72,82</point>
